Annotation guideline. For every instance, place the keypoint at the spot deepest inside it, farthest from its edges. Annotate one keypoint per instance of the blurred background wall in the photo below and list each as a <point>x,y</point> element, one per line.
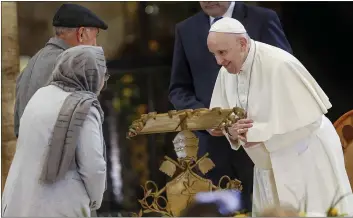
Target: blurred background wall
<point>9,71</point>
<point>139,45</point>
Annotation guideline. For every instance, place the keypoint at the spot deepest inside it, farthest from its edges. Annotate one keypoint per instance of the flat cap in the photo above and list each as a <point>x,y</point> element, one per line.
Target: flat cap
<point>72,15</point>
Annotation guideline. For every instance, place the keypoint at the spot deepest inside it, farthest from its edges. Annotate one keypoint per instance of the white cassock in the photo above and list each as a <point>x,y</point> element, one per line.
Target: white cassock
<point>299,156</point>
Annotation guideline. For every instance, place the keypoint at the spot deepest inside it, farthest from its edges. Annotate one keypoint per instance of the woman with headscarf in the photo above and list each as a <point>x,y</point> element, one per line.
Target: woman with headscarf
<point>59,168</point>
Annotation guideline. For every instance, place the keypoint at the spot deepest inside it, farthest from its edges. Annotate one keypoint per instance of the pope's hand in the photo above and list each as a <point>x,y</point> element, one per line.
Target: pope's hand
<point>215,132</point>
<point>239,129</point>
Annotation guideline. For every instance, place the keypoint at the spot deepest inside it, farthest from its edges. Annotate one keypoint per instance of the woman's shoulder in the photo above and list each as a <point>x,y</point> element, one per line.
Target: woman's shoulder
<point>51,90</point>
<point>47,96</point>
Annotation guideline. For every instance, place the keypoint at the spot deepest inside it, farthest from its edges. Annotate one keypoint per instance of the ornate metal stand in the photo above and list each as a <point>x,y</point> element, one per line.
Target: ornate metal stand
<point>181,190</point>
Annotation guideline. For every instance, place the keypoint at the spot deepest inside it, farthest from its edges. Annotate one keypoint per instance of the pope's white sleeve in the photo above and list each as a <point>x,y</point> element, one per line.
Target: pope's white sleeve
<point>219,100</point>
<point>235,145</point>
<point>280,141</point>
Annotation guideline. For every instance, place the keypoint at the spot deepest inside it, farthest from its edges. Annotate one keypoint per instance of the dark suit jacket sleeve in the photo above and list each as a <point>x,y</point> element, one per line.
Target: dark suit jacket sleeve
<point>181,88</point>
<point>273,34</point>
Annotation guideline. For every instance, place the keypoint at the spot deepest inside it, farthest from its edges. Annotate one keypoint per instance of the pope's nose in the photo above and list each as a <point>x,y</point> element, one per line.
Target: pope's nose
<point>219,60</point>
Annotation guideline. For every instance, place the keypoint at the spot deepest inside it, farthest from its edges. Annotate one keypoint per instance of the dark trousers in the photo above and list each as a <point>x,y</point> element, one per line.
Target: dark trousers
<point>235,164</point>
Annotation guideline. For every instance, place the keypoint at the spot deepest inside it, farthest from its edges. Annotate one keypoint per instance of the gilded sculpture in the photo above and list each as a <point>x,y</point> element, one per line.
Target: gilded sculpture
<point>180,191</point>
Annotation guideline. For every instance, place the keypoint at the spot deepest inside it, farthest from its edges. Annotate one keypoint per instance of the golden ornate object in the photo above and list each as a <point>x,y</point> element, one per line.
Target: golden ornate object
<point>180,191</point>
<point>175,121</point>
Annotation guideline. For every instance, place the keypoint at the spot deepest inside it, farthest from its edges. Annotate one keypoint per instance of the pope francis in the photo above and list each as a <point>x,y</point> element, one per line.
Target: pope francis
<point>296,151</point>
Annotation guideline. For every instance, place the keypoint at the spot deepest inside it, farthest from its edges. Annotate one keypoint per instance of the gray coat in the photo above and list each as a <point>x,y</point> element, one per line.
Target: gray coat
<point>36,75</point>
<point>83,186</point>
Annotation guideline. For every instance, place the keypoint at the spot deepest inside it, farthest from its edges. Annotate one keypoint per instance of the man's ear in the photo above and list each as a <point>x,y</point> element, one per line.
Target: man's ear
<point>243,42</point>
<point>80,34</point>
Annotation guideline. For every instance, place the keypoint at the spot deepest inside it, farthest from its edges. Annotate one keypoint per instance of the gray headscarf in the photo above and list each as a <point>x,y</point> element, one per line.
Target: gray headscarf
<point>80,70</point>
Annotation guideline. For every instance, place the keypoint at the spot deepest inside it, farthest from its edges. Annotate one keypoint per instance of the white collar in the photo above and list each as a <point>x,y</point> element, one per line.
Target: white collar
<point>228,13</point>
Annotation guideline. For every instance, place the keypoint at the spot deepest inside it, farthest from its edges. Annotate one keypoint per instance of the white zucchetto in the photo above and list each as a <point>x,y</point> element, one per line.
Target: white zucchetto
<point>228,25</point>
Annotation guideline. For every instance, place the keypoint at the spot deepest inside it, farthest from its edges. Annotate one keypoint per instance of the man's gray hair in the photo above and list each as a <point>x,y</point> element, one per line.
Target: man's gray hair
<point>62,30</point>
<point>244,35</point>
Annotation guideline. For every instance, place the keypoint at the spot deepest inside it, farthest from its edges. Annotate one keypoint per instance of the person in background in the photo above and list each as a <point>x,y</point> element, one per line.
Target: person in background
<point>59,168</point>
<point>73,25</point>
<point>194,73</point>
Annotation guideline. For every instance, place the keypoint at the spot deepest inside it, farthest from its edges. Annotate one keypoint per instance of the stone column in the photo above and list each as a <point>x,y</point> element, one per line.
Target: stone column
<point>9,73</point>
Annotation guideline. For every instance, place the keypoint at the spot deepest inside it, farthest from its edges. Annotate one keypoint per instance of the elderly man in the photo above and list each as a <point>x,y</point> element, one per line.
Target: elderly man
<point>194,74</point>
<point>74,25</point>
<point>296,151</point>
